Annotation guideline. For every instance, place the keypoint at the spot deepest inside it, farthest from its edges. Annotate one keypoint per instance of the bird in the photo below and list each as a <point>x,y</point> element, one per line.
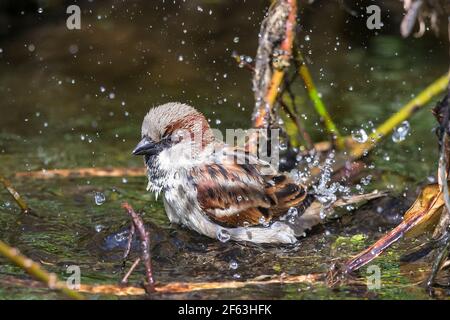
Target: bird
<point>220,190</point>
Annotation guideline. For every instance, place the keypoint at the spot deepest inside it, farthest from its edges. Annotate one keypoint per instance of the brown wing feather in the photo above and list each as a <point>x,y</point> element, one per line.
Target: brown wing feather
<point>238,195</point>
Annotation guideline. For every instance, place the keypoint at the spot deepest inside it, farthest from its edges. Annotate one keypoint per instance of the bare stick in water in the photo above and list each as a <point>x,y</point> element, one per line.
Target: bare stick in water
<point>13,192</point>
<point>35,269</point>
<point>145,246</point>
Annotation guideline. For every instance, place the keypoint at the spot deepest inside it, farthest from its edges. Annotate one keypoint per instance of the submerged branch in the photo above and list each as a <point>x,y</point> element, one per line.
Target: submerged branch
<point>35,269</point>
<point>145,246</point>
<point>184,287</point>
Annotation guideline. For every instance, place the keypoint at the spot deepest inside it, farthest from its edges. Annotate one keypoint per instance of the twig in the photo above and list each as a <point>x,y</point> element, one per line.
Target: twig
<point>266,94</point>
<point>306,138</point>
<point>439,85</point>
<point>303,71</point>
<point>145,246</point>
<point>82,173</point>
<point>130,271</point>
<point>424,210</point>
<point>183,287</point>
<point>13,192</point>
<point>35,269</point>
<point>294,113</point>
<point>263,111</point>
<point>129,242</point>
<point>242,62</point>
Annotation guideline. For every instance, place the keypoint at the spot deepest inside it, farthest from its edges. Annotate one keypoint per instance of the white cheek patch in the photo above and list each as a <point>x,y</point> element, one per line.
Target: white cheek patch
<point>179,156</point>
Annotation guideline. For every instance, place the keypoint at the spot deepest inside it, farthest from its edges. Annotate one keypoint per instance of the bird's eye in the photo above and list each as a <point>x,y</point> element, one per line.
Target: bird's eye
<point>180,135</point>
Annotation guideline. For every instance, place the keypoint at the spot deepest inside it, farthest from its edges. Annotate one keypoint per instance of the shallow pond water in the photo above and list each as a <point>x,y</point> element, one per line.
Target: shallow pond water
<point>77,98</point>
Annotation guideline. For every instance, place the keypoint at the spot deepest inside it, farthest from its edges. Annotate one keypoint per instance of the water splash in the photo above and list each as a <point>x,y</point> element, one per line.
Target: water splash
<point>360,135</point>
<point>401,132</point>
<point>223,235</point>
<point>99,198</point>
<point>233,265</point>
<point>264,222</point>
<point>327,192</point>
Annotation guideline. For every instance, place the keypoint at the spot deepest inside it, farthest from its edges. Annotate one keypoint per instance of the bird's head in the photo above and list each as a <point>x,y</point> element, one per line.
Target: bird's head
<point>173,130</point>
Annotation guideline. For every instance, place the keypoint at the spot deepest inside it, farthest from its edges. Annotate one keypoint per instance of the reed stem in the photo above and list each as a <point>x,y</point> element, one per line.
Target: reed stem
<point>439,85</point>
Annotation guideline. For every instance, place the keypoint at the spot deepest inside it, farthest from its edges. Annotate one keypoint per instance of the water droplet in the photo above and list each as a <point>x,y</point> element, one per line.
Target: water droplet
<point>236,276</point>
<point>223,235</point>
<point>73,49</point>
<point>236,39</point>
<point>264,222</point>
<point>40,10</point>
<point>31,47</point>
<point>99,198</point>
<point>292,211</point>
<point>365,181</point>
<point>233,265</point>
<point>359,135</point>
<point>180,58</point>
<point>124,180</point>
<point>307,38</point>
<point>401,132</point>
<point>99,227</point>
<point>102,89</point>
<point>200,9</point>
<point>121,236</point>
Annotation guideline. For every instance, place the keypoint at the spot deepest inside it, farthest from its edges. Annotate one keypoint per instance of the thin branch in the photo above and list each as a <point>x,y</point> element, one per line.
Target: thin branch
<point>265,107</point>
<point>303,71</point>
<point>145,246</point>
<point>416,219</point>
<point>266,94</point>
<point>130,271</point>
<point>16,196</point>
<point>129,242</point>
<point>306,138</point>
<point>82,173</point>
<point>242,61</point>
<point>184,287</point>
<point>35,269</point>
<point>360,149</point>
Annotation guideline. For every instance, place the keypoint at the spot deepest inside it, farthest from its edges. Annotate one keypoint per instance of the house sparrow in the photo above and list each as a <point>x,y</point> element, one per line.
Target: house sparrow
<point>218,190</point>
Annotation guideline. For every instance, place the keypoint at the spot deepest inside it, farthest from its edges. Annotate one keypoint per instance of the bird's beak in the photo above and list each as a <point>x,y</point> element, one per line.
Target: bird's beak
<point>145,147</point>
